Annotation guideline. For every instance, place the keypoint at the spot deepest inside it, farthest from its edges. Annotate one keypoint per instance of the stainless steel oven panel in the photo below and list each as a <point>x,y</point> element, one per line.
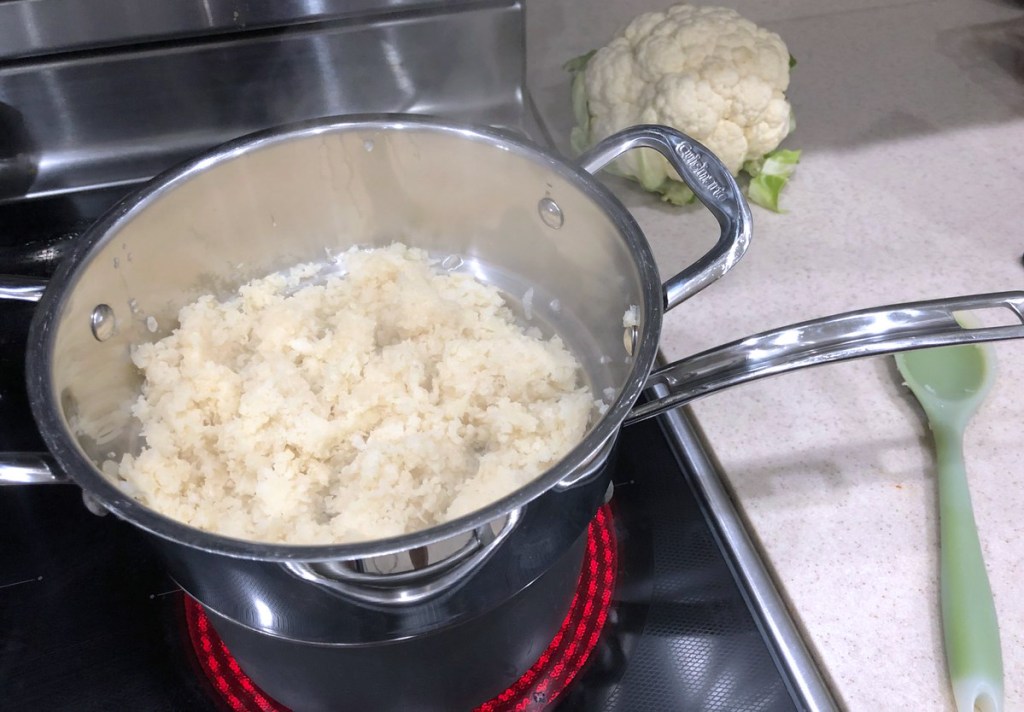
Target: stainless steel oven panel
<point>117,117</point>
<point>38,27</point>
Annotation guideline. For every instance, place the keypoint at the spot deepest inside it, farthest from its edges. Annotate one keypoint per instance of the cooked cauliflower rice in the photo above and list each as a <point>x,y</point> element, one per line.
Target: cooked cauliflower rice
<point>364,405</point>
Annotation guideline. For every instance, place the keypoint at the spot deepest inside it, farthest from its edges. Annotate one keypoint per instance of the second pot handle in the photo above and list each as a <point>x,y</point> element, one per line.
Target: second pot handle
<point>867,332</point>
<point>23,468</point>
<point>29,468</point>
<point>410,587</point>
<point>21,289</point>
<point>709,180</point>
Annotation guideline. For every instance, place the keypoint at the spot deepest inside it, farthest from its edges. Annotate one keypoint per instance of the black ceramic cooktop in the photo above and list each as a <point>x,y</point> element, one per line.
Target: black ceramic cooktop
<point>89,621</point>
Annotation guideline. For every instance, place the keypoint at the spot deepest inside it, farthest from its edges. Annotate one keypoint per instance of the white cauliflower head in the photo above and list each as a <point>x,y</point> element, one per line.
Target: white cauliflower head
<point>705,71</point>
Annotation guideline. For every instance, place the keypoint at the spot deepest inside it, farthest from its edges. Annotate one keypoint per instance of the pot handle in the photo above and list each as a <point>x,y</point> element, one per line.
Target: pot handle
<point>26,468</point>
<point>867,332</point>
<point>21,289</point>
<point>709,180</point>
<point>41,253</point>
<point>410,587</point>
<point>30,468</point>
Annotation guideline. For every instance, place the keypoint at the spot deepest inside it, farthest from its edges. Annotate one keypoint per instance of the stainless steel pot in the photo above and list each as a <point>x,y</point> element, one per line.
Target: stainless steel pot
<point>515,216</point>
<point>509,212</point>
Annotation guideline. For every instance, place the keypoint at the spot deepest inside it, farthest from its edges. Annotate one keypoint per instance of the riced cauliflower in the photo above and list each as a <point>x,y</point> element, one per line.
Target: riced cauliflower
<point>321,408</point>
<point>705,71</point>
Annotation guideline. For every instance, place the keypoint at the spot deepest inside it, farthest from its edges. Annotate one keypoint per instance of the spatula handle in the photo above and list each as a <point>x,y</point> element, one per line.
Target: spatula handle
<point>969,623</point>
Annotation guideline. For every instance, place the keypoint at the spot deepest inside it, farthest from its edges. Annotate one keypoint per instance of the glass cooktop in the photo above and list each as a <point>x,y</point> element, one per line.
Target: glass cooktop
<point>90,621</point>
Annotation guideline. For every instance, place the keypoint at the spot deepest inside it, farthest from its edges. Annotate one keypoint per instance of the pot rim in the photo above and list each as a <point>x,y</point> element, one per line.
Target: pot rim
<point>45,402</point>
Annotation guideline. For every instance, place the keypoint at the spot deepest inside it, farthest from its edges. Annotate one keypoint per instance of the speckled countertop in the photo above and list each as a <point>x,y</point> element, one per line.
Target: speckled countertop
<point>911,117</point>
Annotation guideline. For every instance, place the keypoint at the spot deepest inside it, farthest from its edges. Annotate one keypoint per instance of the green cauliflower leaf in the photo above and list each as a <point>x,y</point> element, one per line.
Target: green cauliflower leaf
<point>769,175</point>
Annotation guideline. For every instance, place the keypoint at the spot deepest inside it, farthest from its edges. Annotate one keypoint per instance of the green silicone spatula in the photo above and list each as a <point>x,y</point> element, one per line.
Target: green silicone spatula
<point>950,382</point>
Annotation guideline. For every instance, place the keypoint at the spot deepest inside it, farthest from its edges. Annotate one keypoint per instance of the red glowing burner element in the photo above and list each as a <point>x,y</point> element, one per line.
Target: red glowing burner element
<point>536,690</point>
<point>557,666</point>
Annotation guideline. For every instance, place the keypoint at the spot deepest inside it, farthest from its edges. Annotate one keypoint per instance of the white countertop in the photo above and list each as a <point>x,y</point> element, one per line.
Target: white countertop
<point>911,117</point>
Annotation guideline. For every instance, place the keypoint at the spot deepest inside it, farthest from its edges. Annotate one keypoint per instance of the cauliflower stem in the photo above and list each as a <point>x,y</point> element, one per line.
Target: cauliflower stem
<point>705,71</point>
